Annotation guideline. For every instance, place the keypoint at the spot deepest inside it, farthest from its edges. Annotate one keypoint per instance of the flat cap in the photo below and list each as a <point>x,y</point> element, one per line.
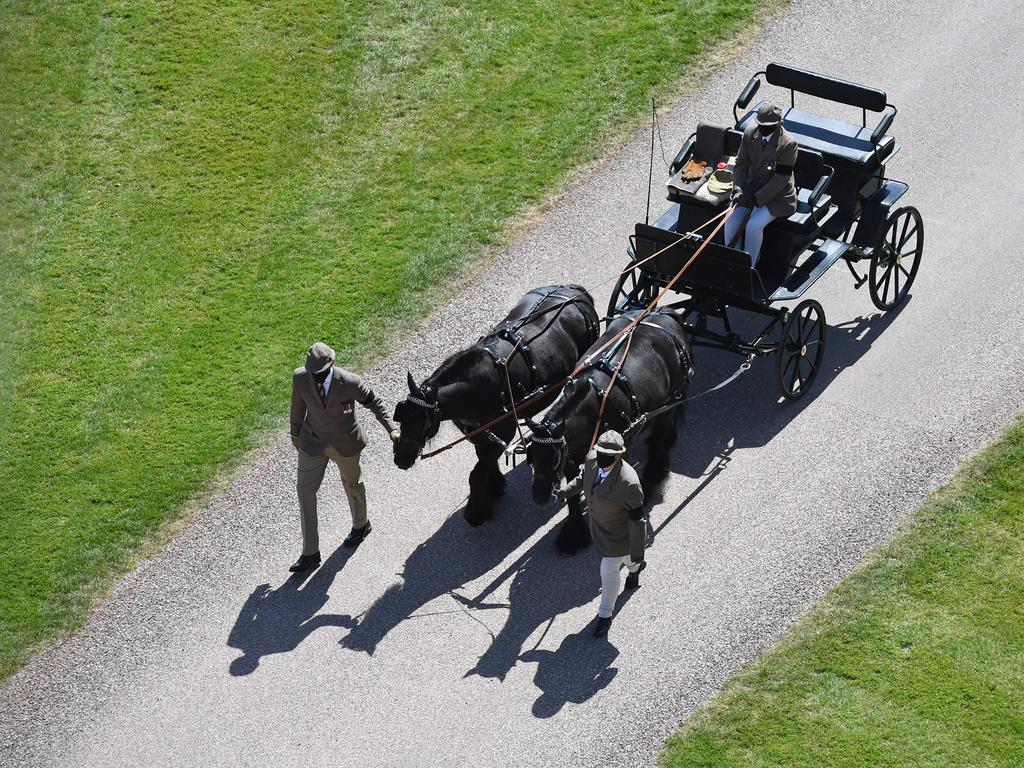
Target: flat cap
<point>319,358</point>
<point>769,114</point>
<point>610,442</point>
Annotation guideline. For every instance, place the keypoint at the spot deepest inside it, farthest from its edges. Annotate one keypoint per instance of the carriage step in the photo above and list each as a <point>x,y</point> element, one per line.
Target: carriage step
<point>813,267</point>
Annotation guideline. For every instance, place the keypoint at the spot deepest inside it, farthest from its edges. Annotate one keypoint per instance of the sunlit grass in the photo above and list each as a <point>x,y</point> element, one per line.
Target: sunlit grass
<point>915,660</point>
<point>191,192</point>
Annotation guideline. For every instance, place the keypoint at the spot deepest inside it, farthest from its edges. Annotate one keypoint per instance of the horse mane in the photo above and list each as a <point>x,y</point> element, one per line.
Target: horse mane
<point>454,365</point>
<point>574,392</point>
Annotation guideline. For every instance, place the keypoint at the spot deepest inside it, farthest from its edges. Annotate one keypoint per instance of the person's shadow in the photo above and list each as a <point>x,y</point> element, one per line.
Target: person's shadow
<point>532,602</point>
<point>454,555</point>
<point>580,668</point>
<point>278,620</point>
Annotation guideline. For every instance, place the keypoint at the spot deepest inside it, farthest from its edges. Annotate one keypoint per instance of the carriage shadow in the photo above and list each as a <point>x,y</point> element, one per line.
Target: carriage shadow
<point>279,620</point>
<point>749,414</point>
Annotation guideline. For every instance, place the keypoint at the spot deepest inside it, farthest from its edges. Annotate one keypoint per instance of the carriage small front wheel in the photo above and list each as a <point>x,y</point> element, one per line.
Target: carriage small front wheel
<point>801,350</point>
<point>896,257</point>
<point>634,289</point>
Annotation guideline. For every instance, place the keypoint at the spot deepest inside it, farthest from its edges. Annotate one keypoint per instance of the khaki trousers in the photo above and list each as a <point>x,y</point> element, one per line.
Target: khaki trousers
<point>311,475</point>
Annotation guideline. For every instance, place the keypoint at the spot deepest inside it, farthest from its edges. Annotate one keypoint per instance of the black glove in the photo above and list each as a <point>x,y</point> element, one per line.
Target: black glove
<point>740,199</point>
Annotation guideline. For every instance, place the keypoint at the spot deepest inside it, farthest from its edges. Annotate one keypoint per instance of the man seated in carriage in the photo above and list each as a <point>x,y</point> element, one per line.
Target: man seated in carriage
<point>763,185</point>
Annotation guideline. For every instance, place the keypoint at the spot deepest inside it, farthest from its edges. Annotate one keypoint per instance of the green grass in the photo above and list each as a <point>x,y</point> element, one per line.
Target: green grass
<point>915,660</point>
<point>191,192</point>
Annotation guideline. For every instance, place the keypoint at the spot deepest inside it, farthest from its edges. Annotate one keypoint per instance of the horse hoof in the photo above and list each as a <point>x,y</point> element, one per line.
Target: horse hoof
<point>573,537</point>
<point>477,517</point>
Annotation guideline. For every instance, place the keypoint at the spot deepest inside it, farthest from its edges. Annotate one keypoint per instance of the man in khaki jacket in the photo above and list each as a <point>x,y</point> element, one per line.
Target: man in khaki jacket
<point>616,500</point>
<point>324,427</point>
<point>763,184</point>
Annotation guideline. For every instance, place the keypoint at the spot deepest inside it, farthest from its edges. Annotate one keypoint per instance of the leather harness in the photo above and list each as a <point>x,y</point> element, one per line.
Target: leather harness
<point>606,365</point>
<point>511,333</point>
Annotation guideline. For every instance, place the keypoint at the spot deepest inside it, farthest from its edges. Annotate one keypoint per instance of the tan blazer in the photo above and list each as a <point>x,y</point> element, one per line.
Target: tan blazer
<point>616,532</point>
<point>758,166</point>
<point>316,425</point>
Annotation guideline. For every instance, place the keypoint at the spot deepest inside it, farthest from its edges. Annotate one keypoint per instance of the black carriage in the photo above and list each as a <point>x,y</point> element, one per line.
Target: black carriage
<point>845,212</point>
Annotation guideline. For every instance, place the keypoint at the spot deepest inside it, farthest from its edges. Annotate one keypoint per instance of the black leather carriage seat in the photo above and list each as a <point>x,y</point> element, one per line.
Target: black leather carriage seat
<point>845,145</point>
<point>808,171</point>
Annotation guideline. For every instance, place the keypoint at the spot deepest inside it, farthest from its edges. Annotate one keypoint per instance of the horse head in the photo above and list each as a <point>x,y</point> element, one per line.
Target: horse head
<point>418,417</point>
<point>545,453</point>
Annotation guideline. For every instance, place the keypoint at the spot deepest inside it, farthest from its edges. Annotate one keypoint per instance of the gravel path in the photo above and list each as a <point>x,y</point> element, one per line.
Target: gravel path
<point>437,644</point>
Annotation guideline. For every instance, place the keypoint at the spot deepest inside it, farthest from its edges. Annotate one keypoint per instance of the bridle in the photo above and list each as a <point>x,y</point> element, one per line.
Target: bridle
<point>563,450</point>
<point>431,409</point>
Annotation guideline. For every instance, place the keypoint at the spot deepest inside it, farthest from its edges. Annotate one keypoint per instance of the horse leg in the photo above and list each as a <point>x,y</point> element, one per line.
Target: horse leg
<point>484,489</point>
<point>574,535</point>
<point>662,437</point>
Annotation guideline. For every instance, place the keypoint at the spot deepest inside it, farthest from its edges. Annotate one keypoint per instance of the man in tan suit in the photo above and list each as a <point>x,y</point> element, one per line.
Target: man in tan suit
<point>324,427</point>
<point>616,500</point>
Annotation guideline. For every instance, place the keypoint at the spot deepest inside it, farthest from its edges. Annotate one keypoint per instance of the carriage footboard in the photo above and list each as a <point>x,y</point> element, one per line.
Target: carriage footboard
<point>813,267</point>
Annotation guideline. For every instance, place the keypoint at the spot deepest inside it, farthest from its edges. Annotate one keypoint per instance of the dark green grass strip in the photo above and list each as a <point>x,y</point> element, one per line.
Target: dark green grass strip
<point>191,192</point>
<point>915,660</point>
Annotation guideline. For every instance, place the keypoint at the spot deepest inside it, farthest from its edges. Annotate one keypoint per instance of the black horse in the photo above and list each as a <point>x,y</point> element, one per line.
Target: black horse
<point>655,373</point>
<point>534,348</point>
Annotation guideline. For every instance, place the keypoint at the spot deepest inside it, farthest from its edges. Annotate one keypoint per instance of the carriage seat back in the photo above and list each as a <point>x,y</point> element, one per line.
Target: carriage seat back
<point>825,87</point>
<point>709,143</point>
<point>812,178</point>
<point>720,268</point>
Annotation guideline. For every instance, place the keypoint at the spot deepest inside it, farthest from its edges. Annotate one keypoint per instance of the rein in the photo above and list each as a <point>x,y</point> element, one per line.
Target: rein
<point>585,362</point>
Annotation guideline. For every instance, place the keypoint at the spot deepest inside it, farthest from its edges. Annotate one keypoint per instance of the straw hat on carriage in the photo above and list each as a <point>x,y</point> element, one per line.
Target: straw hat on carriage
<point>720,181</point>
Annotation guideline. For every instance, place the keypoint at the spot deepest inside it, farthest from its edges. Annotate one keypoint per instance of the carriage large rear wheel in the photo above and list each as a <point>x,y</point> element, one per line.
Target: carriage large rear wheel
<point>802,349</point>
<point>633,290</point>
<point>896,257</point>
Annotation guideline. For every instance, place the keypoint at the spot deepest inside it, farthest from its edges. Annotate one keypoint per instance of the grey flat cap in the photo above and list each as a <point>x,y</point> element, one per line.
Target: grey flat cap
<point>319,358</point>
<point>769,114</point>
<point>610,442</point>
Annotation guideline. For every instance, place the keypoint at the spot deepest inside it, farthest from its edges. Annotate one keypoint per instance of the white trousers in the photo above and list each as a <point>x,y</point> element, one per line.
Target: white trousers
<point>753,223</point>
<point>611,582</point>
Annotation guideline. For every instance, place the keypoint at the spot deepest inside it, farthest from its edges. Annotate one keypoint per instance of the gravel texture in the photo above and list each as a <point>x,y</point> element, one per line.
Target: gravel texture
<point>437,644</point>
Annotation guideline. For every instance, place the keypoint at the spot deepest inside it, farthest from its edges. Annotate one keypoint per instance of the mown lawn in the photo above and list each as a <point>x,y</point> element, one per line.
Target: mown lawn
<point>191,192</point>
<point>915,660</point>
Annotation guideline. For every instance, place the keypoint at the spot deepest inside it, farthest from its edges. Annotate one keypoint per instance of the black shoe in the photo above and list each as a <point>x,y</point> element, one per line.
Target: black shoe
<point>356,535</point>
<point>633,579</point>
<point>602,626</point>
<point>305,562</point>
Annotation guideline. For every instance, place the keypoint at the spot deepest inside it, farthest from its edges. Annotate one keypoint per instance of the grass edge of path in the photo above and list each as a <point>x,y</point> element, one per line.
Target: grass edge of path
<point>872,674</point>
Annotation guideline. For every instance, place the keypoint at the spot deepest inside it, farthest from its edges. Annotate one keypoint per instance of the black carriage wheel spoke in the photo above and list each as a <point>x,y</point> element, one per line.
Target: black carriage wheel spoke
<point>883,284</point>
<point>903,233</point>
<point>810,331</point>
<point>793,380</point>
<point>908,236</point>
<point>792,341</point>
<point>904,271</point>
<point>800,370</point>
<point>785,369</point>
<point>895,283</point>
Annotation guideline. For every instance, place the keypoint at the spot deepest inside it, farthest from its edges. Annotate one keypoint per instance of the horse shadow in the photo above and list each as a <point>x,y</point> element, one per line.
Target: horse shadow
<point>278,620</point>
<point>454,555</point>
<point>750,412</point>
